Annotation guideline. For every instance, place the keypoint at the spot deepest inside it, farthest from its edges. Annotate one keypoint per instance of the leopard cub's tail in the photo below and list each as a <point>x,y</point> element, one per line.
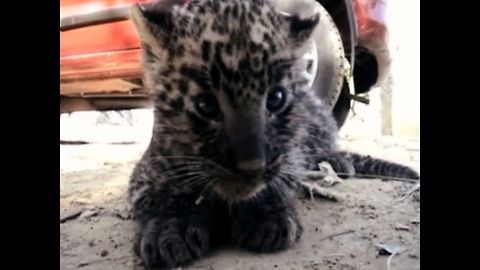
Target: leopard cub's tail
<point>370,167</point>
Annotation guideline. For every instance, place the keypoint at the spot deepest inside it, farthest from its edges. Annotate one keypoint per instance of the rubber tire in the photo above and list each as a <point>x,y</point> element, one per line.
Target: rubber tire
<point>342,107</point>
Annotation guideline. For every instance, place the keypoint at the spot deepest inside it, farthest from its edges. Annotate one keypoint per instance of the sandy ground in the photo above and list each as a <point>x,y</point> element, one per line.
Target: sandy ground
<point>338,235</point>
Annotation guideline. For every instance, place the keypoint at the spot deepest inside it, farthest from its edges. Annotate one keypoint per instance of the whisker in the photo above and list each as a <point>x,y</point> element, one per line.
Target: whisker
<point>205,190</point>
<point>197,182</point>
<point>204,161</point>
<point>184,175</point>
<point>291,183</point>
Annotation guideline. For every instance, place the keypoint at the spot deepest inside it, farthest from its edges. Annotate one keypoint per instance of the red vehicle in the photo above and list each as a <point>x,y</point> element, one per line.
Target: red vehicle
<point>99,54</point>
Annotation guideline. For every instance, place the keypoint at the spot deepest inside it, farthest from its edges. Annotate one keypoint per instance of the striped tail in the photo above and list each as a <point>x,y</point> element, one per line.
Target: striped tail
<point>370,167</point>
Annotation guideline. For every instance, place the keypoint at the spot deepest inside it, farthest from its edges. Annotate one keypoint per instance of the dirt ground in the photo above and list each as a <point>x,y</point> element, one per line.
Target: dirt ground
<point>338,235</point>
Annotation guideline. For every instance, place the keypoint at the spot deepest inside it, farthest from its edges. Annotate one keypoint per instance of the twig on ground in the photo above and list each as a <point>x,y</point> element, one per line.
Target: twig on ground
<point>315,190</point>
<point>392,250</point>
<point>70,215</point>
<point>102,260</point>
<point>410,192</point>
<point>337,234</point>
<point>389,261</point>
<point>316,182</point>
<point>381,177</point>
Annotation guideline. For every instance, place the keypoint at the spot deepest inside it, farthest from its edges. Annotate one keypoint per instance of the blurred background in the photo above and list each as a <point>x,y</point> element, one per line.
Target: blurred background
<point>403,18</point>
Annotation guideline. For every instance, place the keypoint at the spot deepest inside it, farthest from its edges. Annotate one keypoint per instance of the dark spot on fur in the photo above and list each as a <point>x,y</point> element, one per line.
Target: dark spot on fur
<point>271,45</point>
<point>251,18</point>
<point>244,81</point>
<point>265,57</point>
<point>182,33</point>
<point>168,87</point>
<point>263,23</point>
<point>197,75</point>
<point>180,50</point>
<point>253,47</point>
<point>236,77</point>
<point>229,49</point>
<point>162,96</point>
<point>206,50</point>
<point>235,12</point>
<point>151,57</point>
<point>196,21</point>
<point>216,6</point>
<point>299,26</point>
<point>183,86</point>
<point>183,22</point>
<point>226,13</point>
<point>161,19</point>
<point>169,112</point>
<point>244,64</point>
<point>255,62</point>
<point>256,10</point>
<point>228,73</point>
<point>167,71</point>
<point>262,85</point>
<point>215,77</point>
<point>176,104</point>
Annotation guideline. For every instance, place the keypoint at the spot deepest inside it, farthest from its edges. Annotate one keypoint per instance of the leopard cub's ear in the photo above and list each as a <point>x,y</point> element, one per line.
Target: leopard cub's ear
<point>300,29</point>
<point>154,21</point>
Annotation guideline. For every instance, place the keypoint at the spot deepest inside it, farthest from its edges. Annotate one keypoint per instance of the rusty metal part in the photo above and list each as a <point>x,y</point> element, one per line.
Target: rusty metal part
<point>73,104</point>
<point>104,16</point>
<point>119,64</point>
<point>82,88</point>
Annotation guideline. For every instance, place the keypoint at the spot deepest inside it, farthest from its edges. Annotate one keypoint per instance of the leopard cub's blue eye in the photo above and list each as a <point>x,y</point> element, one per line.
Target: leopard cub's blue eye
<point>207,105</point>
<point>276,98</point>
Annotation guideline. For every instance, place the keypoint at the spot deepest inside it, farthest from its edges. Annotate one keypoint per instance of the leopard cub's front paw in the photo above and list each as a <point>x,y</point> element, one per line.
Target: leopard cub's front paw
<point>270,234</point>
<point>164,245</point>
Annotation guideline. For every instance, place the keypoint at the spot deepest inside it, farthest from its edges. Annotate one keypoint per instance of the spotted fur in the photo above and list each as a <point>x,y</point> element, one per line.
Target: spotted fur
<point>230,177</point>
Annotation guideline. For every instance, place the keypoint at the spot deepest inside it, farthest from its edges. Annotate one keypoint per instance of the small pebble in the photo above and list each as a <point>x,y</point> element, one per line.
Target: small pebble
<point>401,227</point>
<point>89,213</point>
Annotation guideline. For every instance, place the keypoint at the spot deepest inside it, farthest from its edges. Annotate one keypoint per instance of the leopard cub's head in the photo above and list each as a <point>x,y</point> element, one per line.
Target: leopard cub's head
<point>225,75</point>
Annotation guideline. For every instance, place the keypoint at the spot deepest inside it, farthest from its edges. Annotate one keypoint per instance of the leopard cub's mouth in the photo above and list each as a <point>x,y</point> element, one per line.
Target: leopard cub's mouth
<point>236,188</point>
